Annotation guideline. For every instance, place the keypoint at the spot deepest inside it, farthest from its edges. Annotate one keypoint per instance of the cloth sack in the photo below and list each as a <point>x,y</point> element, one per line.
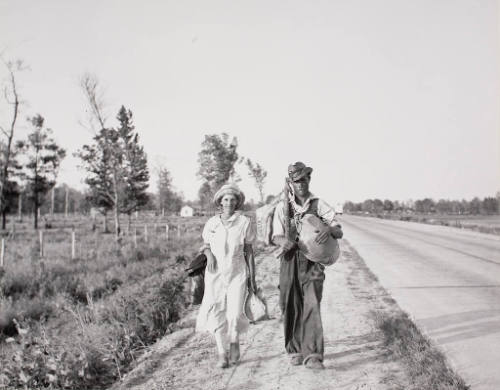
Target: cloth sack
<point>326,253</point>
<point>255,308</point>
<point>264,216</point>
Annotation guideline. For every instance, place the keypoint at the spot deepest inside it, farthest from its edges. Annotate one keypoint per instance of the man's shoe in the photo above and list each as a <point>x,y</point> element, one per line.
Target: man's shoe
<point>234,353</point>
<point>222,362</point>
<point>296,360</point>
<point>315,364</point>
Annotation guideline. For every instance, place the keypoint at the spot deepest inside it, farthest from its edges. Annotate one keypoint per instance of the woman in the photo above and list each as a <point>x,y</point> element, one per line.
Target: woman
<point>228,241</point>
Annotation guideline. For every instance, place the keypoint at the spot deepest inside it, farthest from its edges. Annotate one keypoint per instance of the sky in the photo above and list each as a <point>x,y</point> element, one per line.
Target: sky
<point>389,99</point>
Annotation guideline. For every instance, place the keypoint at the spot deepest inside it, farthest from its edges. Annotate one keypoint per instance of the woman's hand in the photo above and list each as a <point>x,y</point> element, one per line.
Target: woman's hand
<point>211,261</point>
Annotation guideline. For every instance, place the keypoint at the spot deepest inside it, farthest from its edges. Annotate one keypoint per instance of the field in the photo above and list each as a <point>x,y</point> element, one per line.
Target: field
<point>81,319</point>
<point>482,223</point>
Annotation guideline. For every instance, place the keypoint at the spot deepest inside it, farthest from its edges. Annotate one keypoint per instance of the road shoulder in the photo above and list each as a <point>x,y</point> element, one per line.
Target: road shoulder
<point>355,354</point>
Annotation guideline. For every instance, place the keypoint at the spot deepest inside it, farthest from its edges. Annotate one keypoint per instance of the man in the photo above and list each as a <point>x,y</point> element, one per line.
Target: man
<point>301,280</point>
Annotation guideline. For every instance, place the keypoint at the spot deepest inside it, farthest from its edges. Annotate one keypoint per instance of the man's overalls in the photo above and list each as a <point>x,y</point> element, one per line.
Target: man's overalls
<point>301,288</point>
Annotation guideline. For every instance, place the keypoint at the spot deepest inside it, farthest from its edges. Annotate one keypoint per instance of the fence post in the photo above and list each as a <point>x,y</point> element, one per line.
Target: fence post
<point>73,244</point>
<point>52,199</point>
<point>41,242</point>
<point>178,231</point>
<point>166,230</point>
<point>2,253</point>
<point>135,237</point>
<point>145,233</point>
<point>20,207</point>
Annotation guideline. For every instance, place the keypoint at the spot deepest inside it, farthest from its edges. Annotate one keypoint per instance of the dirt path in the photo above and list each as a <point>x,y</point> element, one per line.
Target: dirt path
<point>354,355</point>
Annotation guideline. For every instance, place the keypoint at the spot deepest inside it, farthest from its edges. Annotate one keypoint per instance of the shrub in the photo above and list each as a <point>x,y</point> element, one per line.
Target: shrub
<point>7,316</point>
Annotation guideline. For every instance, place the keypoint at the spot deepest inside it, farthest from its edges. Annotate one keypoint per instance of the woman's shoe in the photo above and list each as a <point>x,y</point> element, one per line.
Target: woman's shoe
<point>234,353</point>
<point>222,362</point>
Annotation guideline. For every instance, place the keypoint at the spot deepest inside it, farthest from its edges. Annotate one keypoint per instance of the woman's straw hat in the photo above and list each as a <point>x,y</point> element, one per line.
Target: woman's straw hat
<point>232,189</point>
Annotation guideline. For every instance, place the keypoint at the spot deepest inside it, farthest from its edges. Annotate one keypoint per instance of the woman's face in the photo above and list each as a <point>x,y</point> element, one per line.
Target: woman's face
<point>229,202</point>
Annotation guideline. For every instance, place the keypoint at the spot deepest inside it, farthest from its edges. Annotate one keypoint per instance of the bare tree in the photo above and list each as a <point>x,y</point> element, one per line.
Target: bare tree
<point>95,99</point>
<point>259,174</point>
<point>11,96</point>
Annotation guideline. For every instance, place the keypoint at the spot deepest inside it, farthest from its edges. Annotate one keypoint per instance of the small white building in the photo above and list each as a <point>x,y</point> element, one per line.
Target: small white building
<point>187,211</point>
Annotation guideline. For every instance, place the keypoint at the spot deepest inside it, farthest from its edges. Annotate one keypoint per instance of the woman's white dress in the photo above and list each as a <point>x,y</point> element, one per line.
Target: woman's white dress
<point>226,288</point>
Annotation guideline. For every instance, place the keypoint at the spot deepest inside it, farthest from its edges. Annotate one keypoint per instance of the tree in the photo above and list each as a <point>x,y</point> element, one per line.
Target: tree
<point>490,205</point>
<point>368,206</point>
<point>116,164</point>
<point>443,206</point>
<point>388,205</point>
<point>426,205</point>
<point>76,200</point>
<point>349,207</point>
<point>217,159</point>
<point>475,206</point>
<point>378,205</point>
<point>257,172</point>
<point>134,164</point>
<point>43,157</point>
<point>9,188</point>
<point>205,195</point>
<point>95,160</point>
<point>97,157</point>
<point>117,171</point>
<point>168,199</point>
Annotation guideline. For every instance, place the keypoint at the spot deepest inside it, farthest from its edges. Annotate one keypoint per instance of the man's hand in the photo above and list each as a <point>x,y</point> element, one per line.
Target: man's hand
<point>334,231</point>
<point>211,262</point>
<point>323,234</point>
<point>284,243</point>
<point>337,232</point>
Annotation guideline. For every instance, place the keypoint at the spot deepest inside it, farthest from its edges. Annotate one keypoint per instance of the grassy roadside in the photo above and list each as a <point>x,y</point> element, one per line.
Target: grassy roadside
<point>425,366</point>
<point>82,323</point>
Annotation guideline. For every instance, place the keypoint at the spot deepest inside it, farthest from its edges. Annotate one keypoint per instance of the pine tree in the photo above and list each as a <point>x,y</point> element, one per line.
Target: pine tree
<point>135,173</point>
<point>42,158</point>
<point>117,172</point>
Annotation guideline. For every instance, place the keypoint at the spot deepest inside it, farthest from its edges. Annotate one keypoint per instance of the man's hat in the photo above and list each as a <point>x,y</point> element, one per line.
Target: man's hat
<point>298,170</point>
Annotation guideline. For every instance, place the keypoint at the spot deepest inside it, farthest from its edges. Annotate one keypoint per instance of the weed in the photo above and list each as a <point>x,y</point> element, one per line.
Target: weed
<point>427,366</point>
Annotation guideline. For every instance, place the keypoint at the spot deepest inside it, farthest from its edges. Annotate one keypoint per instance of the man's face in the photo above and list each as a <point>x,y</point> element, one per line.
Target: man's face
<point>301,186</point>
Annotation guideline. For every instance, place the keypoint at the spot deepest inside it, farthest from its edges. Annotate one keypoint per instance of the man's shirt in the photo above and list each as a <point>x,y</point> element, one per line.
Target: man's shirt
<point>325,212</point>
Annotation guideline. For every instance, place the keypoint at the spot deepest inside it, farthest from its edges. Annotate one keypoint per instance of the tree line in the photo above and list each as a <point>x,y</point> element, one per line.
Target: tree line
<point>114,163</point>
<point>475,206</point>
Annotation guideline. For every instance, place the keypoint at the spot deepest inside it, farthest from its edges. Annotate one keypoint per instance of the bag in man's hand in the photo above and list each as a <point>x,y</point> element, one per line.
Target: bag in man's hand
<point>326,253</point>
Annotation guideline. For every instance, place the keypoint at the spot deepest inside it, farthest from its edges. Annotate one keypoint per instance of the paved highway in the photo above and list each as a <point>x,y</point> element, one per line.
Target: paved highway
<point>447,279</point>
